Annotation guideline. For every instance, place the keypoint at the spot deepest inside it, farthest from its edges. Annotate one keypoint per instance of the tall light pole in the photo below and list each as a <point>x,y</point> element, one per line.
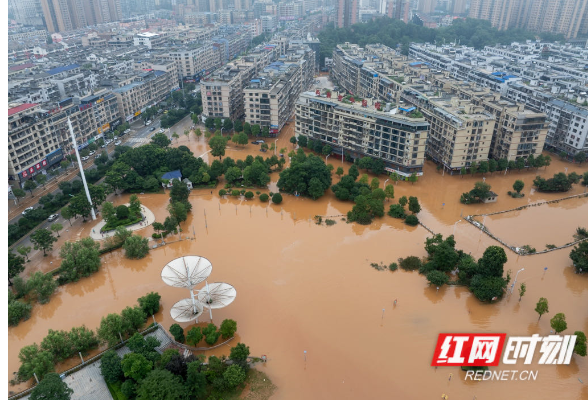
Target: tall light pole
<point>454,226</point>
<point>327,158</point>
<point>515,281</point>
<point>276,147</point>
<point>385,183</point>
<point>75,146</point>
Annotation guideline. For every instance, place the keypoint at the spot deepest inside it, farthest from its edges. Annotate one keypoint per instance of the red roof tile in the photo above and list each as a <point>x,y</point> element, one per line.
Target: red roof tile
<point>20,108</point>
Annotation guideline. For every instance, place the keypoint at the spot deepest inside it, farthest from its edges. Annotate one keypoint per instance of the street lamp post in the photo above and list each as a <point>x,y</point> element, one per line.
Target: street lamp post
<point>276,147</point>
<point>327,158</point>
<point>454,226</point>
<point>515,281</point>
<point>385,183</point>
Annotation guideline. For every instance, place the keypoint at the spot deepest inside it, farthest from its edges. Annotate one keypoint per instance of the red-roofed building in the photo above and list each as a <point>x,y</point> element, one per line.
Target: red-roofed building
<point>22,107</point>
<point>21,69</point>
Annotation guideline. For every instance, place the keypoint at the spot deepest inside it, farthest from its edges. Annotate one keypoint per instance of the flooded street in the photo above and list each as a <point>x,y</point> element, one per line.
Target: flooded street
<point>304,287</point>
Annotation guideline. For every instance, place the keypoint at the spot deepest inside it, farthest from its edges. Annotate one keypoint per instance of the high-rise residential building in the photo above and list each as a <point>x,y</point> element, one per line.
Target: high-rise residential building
<point>567,17</point>
<point>458,6</point>
<point>347,13</point>
<point>138,7</point>
<point>558,16</point>
<point>66,15</point>
<point>427,6</point>
<point>27,12</point>
<point>397,9</point>
<point>502,14</point>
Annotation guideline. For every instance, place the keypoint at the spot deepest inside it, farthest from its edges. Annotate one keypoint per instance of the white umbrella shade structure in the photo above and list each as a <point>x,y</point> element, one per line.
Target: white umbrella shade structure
<point>186,310</point>
<point>217,295</point>
<point>186,272</point>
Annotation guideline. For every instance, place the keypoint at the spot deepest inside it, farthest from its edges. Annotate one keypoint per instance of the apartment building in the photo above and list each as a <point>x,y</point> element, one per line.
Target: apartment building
<point>554,85</point>
<point>148,39</point>
<point>145,90</point>
<point>192,61</point>
<point>39,137</point>
<point>347,13</point>
<point>222,92</point>
<point>30,141</point>
<point>271,96</point>
<point>359,129</point>
<point>450,105</point>
<point>460,132</point>
<point>567,17</point>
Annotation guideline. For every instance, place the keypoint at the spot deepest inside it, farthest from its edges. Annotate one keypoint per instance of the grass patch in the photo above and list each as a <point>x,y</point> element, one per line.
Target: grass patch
<point>115,392</point>
<point>133,219</point>
<point>257,387</point>
<point>330,222</point>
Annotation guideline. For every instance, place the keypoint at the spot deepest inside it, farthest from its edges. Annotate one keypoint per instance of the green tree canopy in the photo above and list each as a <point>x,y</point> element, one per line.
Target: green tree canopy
<point>79,259</point>
<point>43,239</point>
<point>52,387</point>
<point>558,323</point>
<point>136,247</point>
<point>162,384</point>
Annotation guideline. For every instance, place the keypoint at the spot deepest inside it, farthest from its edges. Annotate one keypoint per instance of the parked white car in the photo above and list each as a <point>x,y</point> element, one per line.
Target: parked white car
<point>117,143</point>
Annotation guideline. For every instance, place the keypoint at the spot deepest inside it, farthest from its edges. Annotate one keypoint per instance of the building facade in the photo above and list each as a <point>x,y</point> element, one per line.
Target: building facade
<point>361,130</point>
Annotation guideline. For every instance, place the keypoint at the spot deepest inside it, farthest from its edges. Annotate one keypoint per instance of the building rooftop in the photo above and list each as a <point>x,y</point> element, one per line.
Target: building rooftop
<point>22,107</point>
<point>62,69</point>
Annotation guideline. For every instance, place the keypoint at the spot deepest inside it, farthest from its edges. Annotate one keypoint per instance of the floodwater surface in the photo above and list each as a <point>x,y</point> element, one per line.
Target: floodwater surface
<point>553,223</point>
<point>304,287</point>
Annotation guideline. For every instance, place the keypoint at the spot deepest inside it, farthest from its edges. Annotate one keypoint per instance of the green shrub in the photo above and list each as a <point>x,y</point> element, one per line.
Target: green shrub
<point>222,192</point>
<point>396,211</point>
<point>122,212</point>
<point>18,310</point>
<point>263,197</point>
<point>178,332</point>
<point>235,193</point>
<point>249,195</point>
<point>393,266</point>
<point>411,220</point>
<point>410,263</point>
<point>330,222</point>
<point>277,198</point>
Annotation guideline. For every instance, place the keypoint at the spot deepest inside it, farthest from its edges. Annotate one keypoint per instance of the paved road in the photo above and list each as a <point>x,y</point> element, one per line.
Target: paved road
<point>139,135</point>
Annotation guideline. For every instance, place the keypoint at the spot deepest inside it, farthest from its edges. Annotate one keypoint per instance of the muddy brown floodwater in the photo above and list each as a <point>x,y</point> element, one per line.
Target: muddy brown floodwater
<point>303,287</point>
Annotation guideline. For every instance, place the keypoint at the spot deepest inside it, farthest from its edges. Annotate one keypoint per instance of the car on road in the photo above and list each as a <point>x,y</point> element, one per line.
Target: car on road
<point>26,210</point>
<point>161,130</point>
<point>152,129</point>
<point>104,145</point>
<point>85,158</point>
<point>258,141</point>
<point>52,217</point>
<point>115,138</point>
<point>126,131</point>
<point>148,123</point>
<point>92,153</point>
<point>117,143</point>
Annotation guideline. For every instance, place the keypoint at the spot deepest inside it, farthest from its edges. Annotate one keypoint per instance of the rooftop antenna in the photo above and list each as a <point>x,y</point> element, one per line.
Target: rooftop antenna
<point>75,146</point>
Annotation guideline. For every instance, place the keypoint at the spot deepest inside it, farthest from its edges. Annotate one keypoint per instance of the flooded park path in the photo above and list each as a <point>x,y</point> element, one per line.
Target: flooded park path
<point>307,287</point>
